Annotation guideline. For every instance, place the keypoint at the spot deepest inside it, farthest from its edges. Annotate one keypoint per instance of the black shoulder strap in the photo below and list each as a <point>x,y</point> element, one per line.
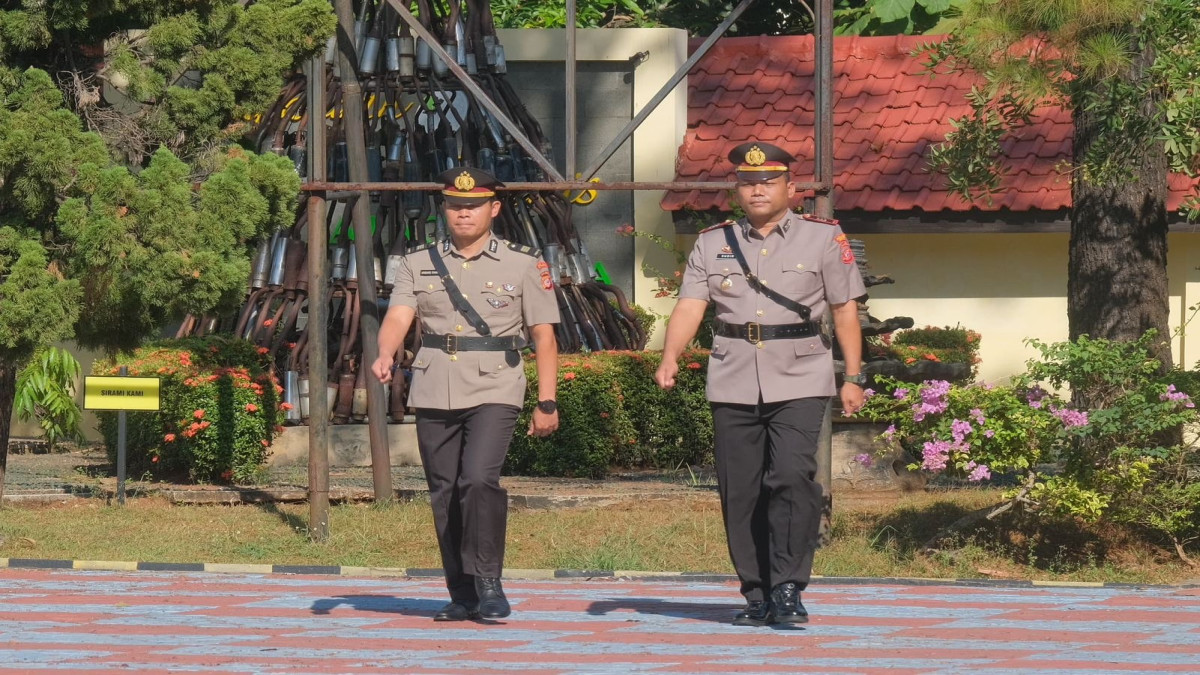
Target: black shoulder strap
<point>456,296</point>
<point>757,285</point>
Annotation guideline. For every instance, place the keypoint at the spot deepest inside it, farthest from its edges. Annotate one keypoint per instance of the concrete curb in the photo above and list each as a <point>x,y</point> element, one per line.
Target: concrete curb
<point>536,574</point>
<point>235,496</point>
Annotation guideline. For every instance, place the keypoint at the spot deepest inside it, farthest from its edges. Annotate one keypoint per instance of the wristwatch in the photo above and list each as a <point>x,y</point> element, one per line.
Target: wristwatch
<point>859,379</point>
<point>549,406</point>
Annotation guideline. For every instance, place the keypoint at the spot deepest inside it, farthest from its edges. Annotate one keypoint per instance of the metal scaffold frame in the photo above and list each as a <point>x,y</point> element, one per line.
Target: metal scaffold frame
<point>320,190</point>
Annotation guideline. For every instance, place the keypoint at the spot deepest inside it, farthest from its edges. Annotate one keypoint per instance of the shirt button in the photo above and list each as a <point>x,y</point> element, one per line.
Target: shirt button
<point>500,367</point>
<point>799,267</point>
<point>466,266</point>
<point>759,313</point>
<point>758,344</point>
<point>454,357</point>
<point>764,251</point>
<point>431,287</point>
<point>458,328</point>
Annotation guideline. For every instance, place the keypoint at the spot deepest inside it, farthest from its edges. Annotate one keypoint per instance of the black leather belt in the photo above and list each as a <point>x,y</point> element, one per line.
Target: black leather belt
<point>755,332</point>
<point>452,344</point>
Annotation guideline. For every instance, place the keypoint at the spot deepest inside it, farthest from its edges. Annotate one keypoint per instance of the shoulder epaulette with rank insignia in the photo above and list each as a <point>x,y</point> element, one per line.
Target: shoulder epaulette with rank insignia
<point>522,248</point>
<point>727,223</point>
<point>826,221</point>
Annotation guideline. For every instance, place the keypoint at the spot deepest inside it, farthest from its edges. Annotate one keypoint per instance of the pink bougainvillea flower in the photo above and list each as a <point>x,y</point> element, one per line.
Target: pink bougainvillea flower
<point>569,376</point>
<point>170,438</point>
<point>199,414</point>
<point>250,407</point>
<point>285,406</point>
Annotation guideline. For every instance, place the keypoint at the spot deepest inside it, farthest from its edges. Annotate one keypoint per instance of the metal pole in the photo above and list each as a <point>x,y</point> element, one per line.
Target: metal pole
<point>318,313</point>
<point>121,442</point>
<point>666,89</point>
<point>572,109</point>
<point>356,148</point>
<point>824,102</point>
<point>823,69</point>
<point>479,94</point>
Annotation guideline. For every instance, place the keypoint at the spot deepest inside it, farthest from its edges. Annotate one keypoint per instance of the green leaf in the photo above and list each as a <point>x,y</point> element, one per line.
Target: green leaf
<point>935,6</point>
<point>893,10</point>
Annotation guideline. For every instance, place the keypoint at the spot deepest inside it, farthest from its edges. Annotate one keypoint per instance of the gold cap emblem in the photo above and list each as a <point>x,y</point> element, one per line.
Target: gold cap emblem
<point>464,182</point>
<point>755,156</point>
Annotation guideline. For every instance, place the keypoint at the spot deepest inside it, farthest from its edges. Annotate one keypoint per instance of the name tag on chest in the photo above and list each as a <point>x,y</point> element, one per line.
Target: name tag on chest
<point>429,273</point>
<point>722,256</point>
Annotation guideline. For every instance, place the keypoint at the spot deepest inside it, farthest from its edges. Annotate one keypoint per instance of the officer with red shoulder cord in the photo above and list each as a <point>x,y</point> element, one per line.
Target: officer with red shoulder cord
<point>480,300</point>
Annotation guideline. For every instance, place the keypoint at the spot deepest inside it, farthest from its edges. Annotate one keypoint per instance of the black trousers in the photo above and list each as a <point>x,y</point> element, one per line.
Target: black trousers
<point>462,452</point>
<point>766,458</point>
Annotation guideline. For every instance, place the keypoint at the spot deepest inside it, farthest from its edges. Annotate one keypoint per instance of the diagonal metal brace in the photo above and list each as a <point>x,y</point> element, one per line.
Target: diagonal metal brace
<point>484,100</point>
<point>666,89</point>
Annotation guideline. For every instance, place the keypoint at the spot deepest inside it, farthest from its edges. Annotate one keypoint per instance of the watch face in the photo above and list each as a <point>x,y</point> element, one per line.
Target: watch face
<point>547,407</point>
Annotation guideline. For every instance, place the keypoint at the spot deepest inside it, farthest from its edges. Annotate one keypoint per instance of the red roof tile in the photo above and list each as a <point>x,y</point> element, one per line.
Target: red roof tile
<point>887,112</point>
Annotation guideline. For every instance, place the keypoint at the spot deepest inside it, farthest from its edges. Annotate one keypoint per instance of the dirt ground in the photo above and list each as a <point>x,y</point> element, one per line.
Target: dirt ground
<point>87,471</point>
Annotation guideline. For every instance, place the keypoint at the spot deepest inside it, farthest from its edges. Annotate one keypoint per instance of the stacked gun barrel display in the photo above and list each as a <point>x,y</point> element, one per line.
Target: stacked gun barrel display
<point>419,121</point>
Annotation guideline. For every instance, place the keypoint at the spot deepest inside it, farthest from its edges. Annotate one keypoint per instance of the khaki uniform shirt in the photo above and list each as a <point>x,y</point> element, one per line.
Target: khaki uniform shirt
<point>807,261</point>
<point>508,289</point>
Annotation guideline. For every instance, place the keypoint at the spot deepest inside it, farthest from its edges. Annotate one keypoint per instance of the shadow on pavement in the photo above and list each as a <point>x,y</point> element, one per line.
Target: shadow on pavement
<point>386,604</point>
<point>671,608</point>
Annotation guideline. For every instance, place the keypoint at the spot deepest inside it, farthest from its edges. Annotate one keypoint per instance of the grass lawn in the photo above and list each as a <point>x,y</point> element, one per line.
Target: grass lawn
<point>876,537</point>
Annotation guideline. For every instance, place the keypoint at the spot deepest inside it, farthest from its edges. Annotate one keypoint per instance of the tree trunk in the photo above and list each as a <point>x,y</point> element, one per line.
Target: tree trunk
<point>1117,274</point>
<point>8,391</point>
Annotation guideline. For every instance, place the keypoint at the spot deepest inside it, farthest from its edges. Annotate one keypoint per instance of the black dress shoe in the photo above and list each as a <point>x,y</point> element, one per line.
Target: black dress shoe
<point>492,603</point>
<point>785,599</point>
<point>756,613</point>
<point>456,612</point>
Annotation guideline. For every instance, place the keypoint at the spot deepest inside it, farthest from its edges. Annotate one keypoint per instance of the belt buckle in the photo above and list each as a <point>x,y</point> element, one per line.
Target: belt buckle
<point>753,331</point>
<point>451,346</point>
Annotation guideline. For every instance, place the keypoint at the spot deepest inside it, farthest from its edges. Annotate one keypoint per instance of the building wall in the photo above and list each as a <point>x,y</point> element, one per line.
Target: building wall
<point>605,105</point>
<point>651,56</point>
<point>1007,287</point>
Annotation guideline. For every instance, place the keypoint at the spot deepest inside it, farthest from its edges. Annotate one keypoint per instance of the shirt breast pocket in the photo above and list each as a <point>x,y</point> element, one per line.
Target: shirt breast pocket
<point>800,279</point>
<point>433,301</point>
<point>499,302</point>
<point>727,284</point>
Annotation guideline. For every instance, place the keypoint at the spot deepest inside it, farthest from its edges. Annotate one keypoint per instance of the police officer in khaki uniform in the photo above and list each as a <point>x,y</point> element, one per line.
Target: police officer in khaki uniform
<point>772,276</point>
<point>478,298</point>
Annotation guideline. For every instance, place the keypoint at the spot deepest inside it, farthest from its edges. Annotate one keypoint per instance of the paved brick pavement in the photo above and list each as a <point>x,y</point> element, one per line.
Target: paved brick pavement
<point>110,622</point>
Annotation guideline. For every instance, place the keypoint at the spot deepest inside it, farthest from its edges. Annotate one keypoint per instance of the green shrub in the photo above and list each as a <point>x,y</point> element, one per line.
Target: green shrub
<point>219,411</point>
<point>1121,460</point>
<point>613,415</point>
<point>948,345</point>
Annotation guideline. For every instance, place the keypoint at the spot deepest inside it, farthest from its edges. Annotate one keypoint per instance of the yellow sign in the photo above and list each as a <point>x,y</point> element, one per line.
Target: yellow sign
<point>120,393</point>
